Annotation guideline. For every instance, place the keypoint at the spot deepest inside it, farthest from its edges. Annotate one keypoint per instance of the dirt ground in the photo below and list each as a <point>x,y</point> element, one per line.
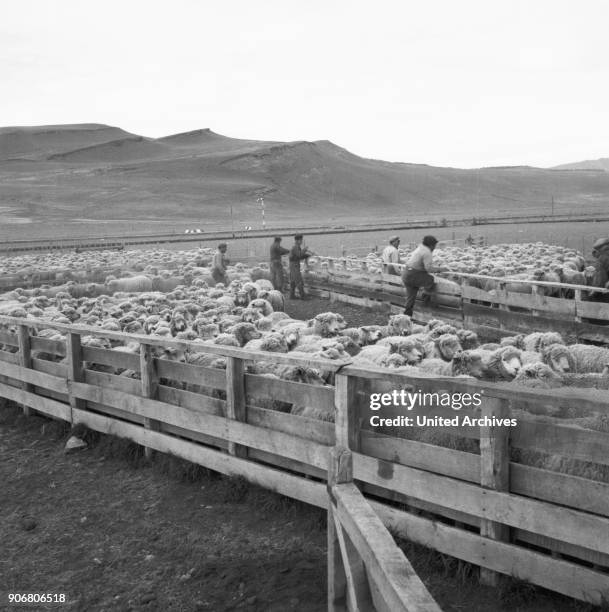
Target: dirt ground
<point>115,533</point>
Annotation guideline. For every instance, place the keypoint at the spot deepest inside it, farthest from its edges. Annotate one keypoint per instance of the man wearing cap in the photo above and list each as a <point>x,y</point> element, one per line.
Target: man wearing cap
<point>391,255</point>
<point>600,251</point>
<point>297,254</point>
<point>277,251</point>
<point>417,273</point>
<point>219,264</point>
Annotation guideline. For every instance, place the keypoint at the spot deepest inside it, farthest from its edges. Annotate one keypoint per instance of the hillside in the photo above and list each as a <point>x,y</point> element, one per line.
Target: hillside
<point>589,164</point>
<point>93,174</point>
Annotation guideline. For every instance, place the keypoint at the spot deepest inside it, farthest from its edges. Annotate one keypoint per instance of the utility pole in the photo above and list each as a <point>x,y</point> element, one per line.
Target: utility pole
<point>260,200</point>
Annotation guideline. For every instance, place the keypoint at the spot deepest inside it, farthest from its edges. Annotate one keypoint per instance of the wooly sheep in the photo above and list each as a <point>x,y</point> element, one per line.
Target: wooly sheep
<point>251,315</point>
<point>263,284</point>
<point>468,339</point>
<point>517,341</point>
<point>589,358</point>
<point>274,342</point>
<point>225,340</point>
<point>398,325</point>
<point>501,364</point>
<point>445,347</point>
<point>262,306</point>
<point>440,330</point>
<point>327,324</point>
<point>244,332</point>
<point>274,297</point>
<point>539,340</point>
<point>408,348</point>
<point>375,354</point>
<point>133,284</point>
<point>559,357</point>
<point>538,376</point>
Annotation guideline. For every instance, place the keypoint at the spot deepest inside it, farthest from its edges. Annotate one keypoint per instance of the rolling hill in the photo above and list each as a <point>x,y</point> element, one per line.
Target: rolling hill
<point>54,176</point>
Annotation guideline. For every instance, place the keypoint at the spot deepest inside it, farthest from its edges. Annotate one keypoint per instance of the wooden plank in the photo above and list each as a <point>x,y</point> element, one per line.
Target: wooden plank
<point>54,347</point>
<point>445,461</point>
<point>8,338</point>
<point>50,367</point>
<point>193,401</point>
<point>287,391</point>
<point>149,386</point>
<point>120,383</point>
<point>37,402</point>
<point>387,566</point>
<point>235,399</point>
<point>75,366</point>
<point>112,411</point>
<point>561,576</point>
<point>337,578</point>
<point>568,440</point>
<point>238,432</point>
<point>558,488</point>
<point>109,357</point>
<point>296,487</point>
<point>173,370</point>
<point>303,427</point>
<point>32,377</point>
<point>196,436</point>
<point>592,310</point>
<point>345,422</point>
<point>572,526</point>
<point>494,472</point>
<point>298,467</point>
<point>9,357</point>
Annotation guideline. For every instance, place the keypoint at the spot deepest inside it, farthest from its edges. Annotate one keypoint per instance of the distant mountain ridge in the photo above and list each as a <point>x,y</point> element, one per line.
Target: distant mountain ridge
<point>95,171</point>
<point>590,164</point>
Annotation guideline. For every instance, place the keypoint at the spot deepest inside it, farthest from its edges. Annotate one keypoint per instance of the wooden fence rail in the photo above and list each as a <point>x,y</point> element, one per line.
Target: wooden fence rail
<point>500,312</point>
<point>485,494</point>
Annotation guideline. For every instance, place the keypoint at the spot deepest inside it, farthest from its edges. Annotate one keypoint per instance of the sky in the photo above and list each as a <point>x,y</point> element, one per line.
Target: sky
<point>464,84</point>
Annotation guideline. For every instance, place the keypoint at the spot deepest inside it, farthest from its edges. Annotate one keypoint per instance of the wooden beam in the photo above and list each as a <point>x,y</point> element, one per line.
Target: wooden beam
<point>25,360</point>
<point>149,387</point>
<point>75,370</point>
<point>494,472</point>
<point>235,399</point>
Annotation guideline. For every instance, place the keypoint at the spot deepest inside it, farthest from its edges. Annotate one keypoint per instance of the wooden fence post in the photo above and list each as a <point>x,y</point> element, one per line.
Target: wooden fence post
<point>348,587</point>
<point>25,360</point>
<point>150,387</point>
<point>494,472</point>
<point>75,370</point>
<point>235,399</point>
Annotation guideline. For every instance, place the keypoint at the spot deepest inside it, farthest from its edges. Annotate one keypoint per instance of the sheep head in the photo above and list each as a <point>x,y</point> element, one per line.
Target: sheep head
<point>558,357</point>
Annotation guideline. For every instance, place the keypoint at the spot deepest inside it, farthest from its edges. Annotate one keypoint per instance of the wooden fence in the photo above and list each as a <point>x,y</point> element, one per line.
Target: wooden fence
<point>493,314</point>
<point>476,499</point>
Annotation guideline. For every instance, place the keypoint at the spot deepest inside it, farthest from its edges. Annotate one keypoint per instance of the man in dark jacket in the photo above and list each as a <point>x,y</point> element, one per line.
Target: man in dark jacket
<point>600,251</point>
<point>417,273</point>
<point>277,251</point>
<point>297,254</point>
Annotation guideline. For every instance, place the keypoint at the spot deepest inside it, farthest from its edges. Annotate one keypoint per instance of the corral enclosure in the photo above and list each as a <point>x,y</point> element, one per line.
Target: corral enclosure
<point>529,502</point>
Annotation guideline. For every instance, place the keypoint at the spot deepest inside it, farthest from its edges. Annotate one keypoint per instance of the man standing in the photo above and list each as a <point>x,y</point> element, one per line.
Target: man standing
<point>219,264</point>
<point>297,254</point>
<point>277,251</point>
<point>600,251</point>
<point>417,273</point>
<point>391,256</point>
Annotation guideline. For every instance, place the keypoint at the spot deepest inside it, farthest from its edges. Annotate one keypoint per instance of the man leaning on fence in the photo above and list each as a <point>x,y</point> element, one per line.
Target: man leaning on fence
<point>277,276</point>
<point>417,273</point>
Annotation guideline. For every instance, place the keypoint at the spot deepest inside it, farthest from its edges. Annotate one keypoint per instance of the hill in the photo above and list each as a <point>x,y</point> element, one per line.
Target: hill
<point>94,174</point>
<point>589,164</point>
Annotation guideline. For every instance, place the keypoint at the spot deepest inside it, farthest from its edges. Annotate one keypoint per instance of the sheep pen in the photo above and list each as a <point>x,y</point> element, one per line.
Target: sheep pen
<point>192,322</point>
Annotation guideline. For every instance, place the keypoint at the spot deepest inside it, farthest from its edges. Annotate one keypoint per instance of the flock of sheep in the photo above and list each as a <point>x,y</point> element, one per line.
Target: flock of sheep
<point>171,294</point>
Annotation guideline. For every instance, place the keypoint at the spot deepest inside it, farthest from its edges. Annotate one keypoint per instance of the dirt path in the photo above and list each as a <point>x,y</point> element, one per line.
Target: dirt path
<point>115,537</point>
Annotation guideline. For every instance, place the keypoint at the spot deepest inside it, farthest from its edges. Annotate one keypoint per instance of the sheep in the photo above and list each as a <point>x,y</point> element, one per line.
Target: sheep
<point>445,347</point>
<point>501,364</point>
<point>468,339</point>
<point>244,333</point>
<point>273,342</point>
<point>559,357</point>
<point>398,325</point>
<point>538,340</point>
<point>262,306</point>
<point>589,358</point>
<point>538,376</point>
<point>134,284</point>
<point>327,324</point>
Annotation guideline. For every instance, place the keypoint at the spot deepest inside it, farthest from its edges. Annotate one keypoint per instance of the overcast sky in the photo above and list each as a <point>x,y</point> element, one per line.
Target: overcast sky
<point>466,84</point>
